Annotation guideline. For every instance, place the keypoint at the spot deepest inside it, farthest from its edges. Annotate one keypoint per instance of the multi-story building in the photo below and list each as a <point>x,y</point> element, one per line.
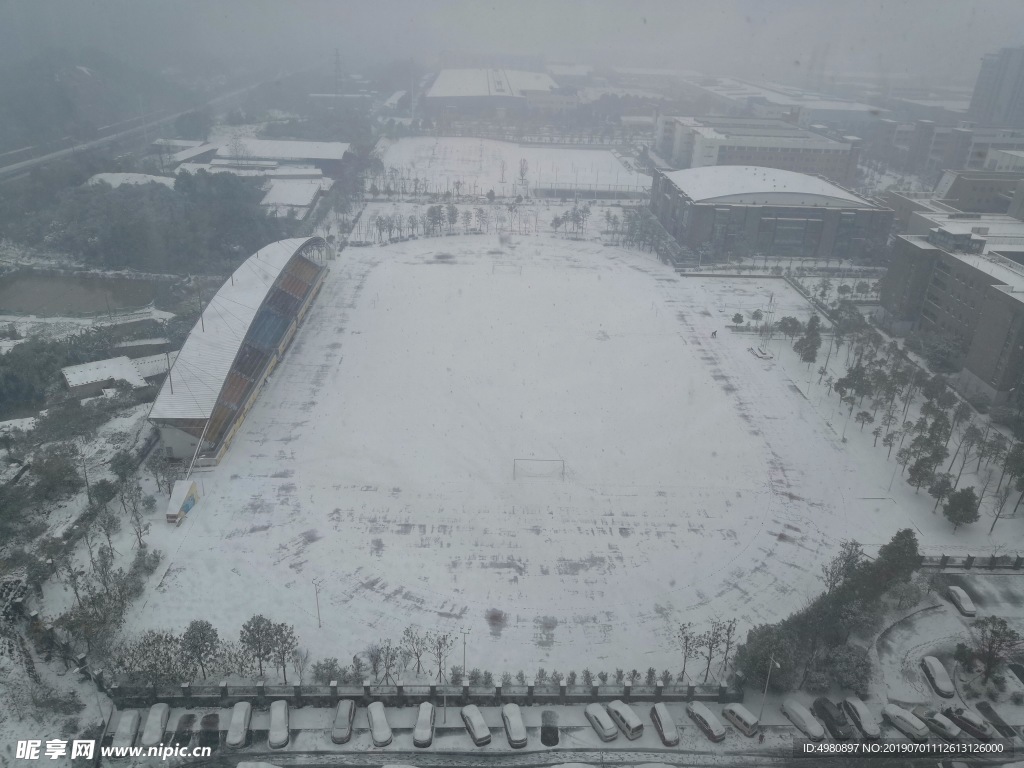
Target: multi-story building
<point>741,210</point>
<point>998,97</point>
<point>927,148</point>
<point>957,192</point>
<point>695,142</point>
<point>960,276</point>
<point>796,105</point>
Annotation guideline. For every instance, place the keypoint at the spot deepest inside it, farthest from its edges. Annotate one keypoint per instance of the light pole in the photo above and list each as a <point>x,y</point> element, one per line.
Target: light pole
<point>465,632</point>
<point>772,663</point>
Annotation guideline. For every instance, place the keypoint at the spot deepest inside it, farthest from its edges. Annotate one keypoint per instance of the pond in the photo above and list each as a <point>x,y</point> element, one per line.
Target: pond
<point>42,294</point>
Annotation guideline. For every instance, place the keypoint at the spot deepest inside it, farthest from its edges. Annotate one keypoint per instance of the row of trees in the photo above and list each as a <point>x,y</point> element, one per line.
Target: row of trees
<point>160,656</point>
<point>207,222</point>
<point>813,647</point>
<point>882,379</point>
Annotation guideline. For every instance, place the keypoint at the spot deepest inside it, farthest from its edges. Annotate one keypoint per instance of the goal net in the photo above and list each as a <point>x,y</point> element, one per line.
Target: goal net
<point>538,469</point>
<point>506,268</point>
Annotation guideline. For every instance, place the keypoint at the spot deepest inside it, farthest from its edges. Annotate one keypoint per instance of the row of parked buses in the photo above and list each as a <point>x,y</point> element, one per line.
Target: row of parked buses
<point>127,732</point>
<point>843,721</point>
<point>619,716</point>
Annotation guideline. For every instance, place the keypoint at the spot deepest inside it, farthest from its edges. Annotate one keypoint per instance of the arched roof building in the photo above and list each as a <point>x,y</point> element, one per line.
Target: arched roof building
<point>242,333</point>
<point>740,210</point>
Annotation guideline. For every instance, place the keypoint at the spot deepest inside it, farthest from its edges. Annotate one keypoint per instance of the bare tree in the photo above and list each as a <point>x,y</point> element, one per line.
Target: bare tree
<point>728,638</point>
<point>440,646</point>
<point>708,645</point>
<point>688,644</point>
<point>417,643</point>
<point>388,660</point>
<point>374,655</point>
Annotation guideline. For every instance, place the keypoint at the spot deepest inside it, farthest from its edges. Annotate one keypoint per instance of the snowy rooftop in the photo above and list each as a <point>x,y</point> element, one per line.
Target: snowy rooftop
<point>719,182</point>
<point>266,149</point>
<point>117,179</point>
<point>114,368</point>
<point>1004,232</point>
<point>211,347</point>
<point>294,172</point>
<point>488,82</point>
<point>779,132</point>
<point>176,143</point>
<point>154,365</point>
<point>191,152</point>
<point>741,90</point>
<point>1007,273</point>
<point>296,192</point>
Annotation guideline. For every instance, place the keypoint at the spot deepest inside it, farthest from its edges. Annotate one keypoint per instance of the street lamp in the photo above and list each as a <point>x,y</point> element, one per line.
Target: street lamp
<point>772,663</point>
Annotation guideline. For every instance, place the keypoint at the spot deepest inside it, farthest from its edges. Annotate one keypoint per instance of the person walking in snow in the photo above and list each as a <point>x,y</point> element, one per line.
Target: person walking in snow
<point>714,334</point>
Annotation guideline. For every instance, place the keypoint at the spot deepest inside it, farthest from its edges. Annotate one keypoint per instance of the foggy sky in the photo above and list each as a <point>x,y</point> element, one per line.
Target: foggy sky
<point>939,40</point>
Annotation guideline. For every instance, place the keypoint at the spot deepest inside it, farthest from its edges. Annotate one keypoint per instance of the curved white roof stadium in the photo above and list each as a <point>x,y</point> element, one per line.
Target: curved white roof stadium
<point>202,366</point>
<point>755,185</point>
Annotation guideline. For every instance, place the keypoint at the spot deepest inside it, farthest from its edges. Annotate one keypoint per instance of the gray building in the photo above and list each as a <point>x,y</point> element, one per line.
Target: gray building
<point>998,97</point>
<point>695,142</point>
<point>742,210</point>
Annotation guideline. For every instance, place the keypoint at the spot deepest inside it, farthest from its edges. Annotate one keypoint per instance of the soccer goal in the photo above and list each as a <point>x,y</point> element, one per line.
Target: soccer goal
<point>538,469</point>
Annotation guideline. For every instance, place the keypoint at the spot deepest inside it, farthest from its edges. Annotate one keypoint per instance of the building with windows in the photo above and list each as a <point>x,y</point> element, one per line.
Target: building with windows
<point>960,276</point>
<point>795,105</point>
<point>241,336</point>
<point>695,142</point>
<point>742,210</point>
<point>263,154</point>
<point>998,97</point>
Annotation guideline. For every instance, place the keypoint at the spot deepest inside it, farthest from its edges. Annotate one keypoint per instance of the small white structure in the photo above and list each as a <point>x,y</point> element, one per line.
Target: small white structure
<point>184,497</point>
<point>90,379</point>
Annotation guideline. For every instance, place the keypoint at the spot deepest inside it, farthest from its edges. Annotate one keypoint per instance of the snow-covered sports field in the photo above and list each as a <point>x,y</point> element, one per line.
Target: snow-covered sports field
<point>476,163</point>
<point>700,481</point>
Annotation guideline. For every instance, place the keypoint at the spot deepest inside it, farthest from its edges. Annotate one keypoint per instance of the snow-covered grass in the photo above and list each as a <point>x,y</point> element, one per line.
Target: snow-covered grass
<point>477,164</point>
<point>701,481</point>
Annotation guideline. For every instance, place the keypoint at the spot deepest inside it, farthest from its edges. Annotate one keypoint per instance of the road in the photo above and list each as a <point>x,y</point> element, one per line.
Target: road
<point>777,759</point>
<point>17,170</point>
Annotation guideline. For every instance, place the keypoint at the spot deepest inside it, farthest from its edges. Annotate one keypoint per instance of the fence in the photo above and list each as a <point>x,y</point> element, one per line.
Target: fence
<point>261,694</point>
<point>1002,563</point>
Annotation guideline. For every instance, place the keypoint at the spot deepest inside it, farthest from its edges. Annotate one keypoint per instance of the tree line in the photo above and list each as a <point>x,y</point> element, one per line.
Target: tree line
<point>209,222</point>
<point>812,648</point>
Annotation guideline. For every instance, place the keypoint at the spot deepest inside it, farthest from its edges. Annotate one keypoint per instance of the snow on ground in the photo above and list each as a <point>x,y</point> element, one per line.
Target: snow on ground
<point>533,215</point>
<point>477,164</point>
<point>701,481</point>
<point>57,327</point>
<point>117,179</point>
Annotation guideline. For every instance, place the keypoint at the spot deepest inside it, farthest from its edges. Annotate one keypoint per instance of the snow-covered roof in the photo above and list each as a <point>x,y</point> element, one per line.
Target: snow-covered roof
<point>296,192</point>
<point>750,184</point>
<point>488,82</point>
<point>276,149</point>
<point>293,172</point>
<point>191,152</point>
<point>117,179</point>
<point>206,357</point>
<point>111,369</point>
<point>154,365</point>
<point>176,143</point>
